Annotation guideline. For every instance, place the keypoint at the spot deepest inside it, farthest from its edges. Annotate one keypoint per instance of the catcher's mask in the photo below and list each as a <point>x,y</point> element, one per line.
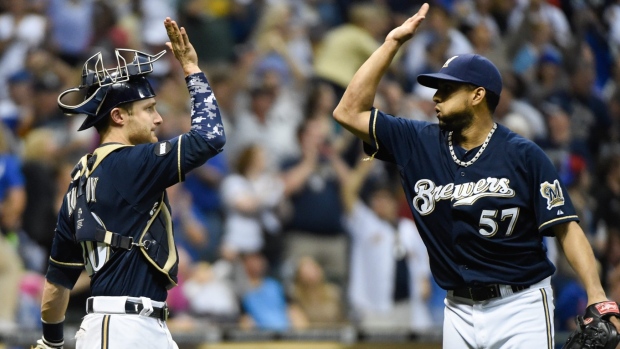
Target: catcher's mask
<point>107,88</point>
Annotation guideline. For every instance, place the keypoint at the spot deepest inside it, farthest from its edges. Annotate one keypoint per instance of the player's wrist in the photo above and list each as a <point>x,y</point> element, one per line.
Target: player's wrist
<point>392,43</point>
<point>191,68</point>
<point>53,334</point>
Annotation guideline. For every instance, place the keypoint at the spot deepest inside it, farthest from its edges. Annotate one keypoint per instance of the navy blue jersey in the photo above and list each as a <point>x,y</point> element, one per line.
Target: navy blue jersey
<point>125,190</point>
<point>482,224</point>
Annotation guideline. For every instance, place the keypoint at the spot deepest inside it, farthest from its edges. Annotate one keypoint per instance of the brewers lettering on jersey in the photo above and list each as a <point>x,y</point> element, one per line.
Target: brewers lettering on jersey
<point>115,221</point>
<point>482,197</point>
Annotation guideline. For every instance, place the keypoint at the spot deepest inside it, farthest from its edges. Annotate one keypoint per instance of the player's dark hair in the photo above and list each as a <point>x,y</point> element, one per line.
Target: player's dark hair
<point>103,125</point>
<point>491,99</point>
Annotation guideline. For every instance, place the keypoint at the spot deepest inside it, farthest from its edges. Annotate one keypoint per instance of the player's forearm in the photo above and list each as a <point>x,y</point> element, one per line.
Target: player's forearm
<point>54,302</point>
<point>581,258</point>
<point>206,117</point>
<point>359,95</point>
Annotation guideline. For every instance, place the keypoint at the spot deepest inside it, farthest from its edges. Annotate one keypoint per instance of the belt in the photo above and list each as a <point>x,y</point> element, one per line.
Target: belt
<point>486,292</point>
<point>126,305</point>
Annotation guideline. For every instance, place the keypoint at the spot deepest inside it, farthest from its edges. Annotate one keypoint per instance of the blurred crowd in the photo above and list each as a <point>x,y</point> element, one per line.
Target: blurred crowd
<point>289,228</point>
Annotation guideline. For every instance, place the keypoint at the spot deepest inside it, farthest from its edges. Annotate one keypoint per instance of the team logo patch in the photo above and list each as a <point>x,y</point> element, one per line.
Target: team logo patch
<point>553,194</point>
<point>607,307</point>
<point>162,148</point>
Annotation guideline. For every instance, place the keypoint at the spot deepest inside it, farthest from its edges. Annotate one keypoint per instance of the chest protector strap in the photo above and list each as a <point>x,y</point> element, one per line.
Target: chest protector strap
<point>156,241</point>
<point>88,226</point>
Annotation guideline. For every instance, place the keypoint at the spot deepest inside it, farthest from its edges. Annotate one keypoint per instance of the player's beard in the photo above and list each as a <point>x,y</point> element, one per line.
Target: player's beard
<point>457,121</point>
<point>141,134</point>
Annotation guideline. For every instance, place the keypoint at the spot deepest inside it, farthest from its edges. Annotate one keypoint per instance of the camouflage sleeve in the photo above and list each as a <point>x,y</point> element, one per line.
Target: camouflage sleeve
<point>205,114</point>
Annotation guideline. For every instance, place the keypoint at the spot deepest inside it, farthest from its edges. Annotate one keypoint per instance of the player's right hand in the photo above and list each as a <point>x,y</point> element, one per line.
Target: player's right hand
<point>181,47</point>
<point>408,28</point>
<point>43,344</point>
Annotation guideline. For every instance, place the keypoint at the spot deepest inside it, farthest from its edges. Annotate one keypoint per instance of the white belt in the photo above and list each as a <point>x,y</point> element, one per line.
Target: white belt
<point>127,305</point>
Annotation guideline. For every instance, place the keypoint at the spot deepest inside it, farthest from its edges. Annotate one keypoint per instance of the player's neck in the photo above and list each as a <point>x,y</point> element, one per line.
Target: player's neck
<point>114,137</point>
<point>474,135</point>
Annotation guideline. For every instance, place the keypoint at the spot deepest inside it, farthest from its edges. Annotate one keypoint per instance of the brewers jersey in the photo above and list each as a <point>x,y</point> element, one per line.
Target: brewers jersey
<point>482,223</point>
<point>126,195</point>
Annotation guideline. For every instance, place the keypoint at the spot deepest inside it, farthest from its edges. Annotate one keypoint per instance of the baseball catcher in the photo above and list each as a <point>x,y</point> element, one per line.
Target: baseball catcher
<point>594,330</point>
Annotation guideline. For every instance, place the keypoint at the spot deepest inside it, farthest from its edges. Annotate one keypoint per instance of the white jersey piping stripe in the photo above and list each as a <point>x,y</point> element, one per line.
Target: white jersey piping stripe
<point>547,319</point>
<point>556,219</point>
<point>66,264</point>
<point>374,135</point>
<point>179,158</point>
<point>105,332</point>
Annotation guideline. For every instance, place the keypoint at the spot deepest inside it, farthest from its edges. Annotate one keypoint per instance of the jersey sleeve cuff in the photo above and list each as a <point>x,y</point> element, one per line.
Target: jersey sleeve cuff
<point>375,150</point>
<point>544,227</point>
<point>65,276</point>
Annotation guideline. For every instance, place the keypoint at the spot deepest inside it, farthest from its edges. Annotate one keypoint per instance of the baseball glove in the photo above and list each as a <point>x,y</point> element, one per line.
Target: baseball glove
<point>594,330</point>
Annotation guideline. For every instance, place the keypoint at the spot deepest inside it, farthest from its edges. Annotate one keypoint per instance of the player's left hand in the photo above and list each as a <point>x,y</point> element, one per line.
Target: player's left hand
<point>182,49</point>
<point>409,27</point>
<point>597,328</point>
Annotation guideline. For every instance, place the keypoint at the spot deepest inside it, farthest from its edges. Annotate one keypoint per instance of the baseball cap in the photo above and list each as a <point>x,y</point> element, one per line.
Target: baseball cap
<point>466,68</point>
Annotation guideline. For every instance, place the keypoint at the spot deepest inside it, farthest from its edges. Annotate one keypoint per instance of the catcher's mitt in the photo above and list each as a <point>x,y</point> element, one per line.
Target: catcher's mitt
<point>594,330</point>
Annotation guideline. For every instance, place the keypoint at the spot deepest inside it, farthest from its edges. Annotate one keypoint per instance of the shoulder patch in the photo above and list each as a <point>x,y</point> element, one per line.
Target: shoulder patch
<point>162,148</point>
<point>553,194</point>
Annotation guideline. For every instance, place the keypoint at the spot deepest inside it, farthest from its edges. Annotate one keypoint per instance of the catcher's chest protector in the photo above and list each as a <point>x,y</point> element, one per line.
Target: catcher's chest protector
<point>155,241</point>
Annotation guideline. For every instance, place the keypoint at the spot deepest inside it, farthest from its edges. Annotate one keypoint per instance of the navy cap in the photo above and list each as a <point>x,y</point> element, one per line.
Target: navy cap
<point>467,68</point>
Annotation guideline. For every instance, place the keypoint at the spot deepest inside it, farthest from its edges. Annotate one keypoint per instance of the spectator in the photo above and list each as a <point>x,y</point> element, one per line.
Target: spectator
<point>210,294</point>
<point>72,28</point>
<point>473,13</point>
<point>438,27</point>
<point>12,203</point>
<point>314,227</point>
<point>588,112</point>
<point>319,300</point>
<point>20,31</point>
<point>282,45</point>
<point>549,78</point>
<point>267,124</point>
<point>511,102</point>
<point>390,275</point>
<point>607,214</point>
<point>204,185</point>
<point>250,197</point>
<point>544,12</point>
<point>345,47</point>
<point>17,110</point>
<point>537,45</point>
<point>40,169</point>
<point>208,20</point>
<point>190,232</point>
<point>612,18</point>
<point>264,301</point>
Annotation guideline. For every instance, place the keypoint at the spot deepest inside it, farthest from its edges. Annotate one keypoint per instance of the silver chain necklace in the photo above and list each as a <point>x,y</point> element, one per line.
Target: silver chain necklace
<point>484,145</point>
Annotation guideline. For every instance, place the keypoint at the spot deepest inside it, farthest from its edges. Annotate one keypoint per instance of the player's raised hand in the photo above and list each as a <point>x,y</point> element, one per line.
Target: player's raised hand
<point>181,47</point>
<point>408,28</point>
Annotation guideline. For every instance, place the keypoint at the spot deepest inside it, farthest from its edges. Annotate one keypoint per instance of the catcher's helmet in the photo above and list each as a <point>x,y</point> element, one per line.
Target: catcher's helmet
<point>108,88</point>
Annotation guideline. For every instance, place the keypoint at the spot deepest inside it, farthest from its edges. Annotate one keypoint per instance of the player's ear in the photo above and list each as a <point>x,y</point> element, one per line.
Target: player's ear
<point>478,95</point>
<point>118,116</point>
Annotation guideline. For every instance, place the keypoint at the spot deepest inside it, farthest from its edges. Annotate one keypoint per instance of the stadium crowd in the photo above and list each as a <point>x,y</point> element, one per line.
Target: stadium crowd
<point>288,228</point>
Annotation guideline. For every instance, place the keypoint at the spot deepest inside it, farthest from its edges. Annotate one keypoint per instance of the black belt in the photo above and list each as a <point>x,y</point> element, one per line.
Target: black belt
<point>483,293</point>
<point>132,307</point>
